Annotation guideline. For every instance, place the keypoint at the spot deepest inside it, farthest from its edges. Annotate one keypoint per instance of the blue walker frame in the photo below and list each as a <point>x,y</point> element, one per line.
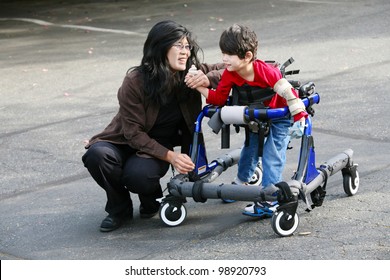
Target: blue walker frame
<point>307,183</point>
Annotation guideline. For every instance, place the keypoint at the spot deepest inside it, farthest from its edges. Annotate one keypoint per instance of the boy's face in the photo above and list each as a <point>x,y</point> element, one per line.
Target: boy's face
<point>233,62</point>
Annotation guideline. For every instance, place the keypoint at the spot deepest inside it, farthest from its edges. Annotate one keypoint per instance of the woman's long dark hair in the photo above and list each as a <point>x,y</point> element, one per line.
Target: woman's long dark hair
<point>159,80</point>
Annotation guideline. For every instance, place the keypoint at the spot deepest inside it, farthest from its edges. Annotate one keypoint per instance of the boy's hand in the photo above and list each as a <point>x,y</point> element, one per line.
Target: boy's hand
<point>297,129</point>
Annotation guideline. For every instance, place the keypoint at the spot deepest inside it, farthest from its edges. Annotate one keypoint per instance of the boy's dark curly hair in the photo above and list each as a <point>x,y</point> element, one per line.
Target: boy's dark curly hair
<point>237,40</point>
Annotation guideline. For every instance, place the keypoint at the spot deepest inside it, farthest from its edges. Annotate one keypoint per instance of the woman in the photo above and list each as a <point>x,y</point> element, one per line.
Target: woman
<point>157,111</point>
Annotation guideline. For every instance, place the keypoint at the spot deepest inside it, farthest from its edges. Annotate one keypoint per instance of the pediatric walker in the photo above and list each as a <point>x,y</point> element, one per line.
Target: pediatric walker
<point>308,183</point>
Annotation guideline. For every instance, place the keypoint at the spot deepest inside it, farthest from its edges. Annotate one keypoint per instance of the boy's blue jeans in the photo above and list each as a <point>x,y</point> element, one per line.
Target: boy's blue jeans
<point>274,154</point>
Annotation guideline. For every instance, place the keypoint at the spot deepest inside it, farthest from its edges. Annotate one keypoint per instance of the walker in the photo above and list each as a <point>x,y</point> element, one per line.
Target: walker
<point>308,182</point>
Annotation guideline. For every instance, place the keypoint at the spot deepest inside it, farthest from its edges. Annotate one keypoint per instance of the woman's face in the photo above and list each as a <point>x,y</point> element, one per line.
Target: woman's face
<point>178,55</point>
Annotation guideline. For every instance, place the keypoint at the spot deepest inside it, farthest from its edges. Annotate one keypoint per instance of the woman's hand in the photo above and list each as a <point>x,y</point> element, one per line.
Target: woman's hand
<point>198,80</point>
<point>181,162</point>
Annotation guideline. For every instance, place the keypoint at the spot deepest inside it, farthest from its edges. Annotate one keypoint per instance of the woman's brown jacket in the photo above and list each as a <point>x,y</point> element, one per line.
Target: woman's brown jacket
<point>136,116</point>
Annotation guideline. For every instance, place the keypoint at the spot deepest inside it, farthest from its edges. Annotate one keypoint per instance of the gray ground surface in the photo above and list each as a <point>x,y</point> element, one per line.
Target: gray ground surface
<point>58,88</point>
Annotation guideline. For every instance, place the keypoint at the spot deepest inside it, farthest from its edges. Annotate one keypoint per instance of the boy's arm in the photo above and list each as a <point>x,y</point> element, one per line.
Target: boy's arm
<point>295,104</point>
<point>204,91</point>
<point>216,96</point>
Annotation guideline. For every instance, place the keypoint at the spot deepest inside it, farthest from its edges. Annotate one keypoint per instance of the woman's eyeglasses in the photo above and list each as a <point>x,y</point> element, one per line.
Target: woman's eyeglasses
<point>180,47</point>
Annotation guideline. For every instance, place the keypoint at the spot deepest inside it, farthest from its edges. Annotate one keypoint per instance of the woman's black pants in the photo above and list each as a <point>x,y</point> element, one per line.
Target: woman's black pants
<point>119,170</point>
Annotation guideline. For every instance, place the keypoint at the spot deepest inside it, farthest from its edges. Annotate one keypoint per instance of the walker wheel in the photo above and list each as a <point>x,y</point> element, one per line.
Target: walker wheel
<point>257,176</point>
<point>351,186</point>
<point>284,224</point>
<point>255,180</point>
<point>172,214</point>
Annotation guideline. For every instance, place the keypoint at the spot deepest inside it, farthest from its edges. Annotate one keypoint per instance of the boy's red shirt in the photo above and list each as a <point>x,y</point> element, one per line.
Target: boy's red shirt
<point>266,75</point>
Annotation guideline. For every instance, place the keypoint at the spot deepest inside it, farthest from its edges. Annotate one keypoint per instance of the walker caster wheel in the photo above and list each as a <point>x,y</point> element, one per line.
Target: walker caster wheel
<point>351,182</point>
<point>257,176</point>
<point>284,224</point>
<point>172,214</point>
<point>255,180</point>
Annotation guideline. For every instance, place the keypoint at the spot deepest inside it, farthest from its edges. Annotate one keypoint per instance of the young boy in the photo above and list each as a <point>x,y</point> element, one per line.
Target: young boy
<point>239,46</point>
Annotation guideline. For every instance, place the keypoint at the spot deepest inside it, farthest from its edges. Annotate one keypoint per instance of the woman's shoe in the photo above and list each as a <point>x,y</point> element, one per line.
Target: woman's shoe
<point>113,222</point>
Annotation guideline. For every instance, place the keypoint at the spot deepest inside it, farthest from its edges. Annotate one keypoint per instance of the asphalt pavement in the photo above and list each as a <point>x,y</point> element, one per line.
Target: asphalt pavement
<point>61,65</point>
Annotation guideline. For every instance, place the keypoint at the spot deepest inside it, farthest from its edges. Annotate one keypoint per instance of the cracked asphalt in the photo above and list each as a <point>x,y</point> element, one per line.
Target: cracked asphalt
<point>61,65</point>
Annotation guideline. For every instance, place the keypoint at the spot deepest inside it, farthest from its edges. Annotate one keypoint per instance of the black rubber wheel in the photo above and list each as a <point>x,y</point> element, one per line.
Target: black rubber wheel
<point>351,186</point>
<point>284,224</point>
<point>172,215</point>
<point>257,176</point>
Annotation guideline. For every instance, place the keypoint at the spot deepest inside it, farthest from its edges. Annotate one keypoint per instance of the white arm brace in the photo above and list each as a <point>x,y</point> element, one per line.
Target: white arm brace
<point>285,90</point>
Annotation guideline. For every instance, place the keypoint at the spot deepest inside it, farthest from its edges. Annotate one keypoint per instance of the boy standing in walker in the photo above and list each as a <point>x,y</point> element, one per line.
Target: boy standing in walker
<point>239,46</point>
